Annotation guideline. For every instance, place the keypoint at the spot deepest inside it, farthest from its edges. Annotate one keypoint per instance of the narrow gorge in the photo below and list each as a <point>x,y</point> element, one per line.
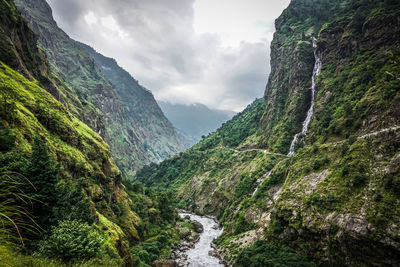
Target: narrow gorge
<point>94,174</point>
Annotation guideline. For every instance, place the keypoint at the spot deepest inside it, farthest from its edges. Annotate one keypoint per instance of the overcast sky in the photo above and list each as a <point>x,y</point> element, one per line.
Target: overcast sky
<point>214,52</point>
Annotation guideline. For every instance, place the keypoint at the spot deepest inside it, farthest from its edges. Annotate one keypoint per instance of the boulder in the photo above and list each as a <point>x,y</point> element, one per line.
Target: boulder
<point>198,227</point>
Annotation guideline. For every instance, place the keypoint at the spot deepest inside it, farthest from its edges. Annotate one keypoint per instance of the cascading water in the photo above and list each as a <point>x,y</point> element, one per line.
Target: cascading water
<point>316,72</point>
<point>259,182</point>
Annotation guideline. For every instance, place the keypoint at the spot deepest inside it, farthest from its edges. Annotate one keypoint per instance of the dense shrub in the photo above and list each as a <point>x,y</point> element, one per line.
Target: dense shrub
<point>146,253</point>
<point>7,140</point>
<point>71,240</point>
<point>265,254</point>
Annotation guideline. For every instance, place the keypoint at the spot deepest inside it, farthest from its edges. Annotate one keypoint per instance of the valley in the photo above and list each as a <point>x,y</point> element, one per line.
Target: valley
<point>95,172</point>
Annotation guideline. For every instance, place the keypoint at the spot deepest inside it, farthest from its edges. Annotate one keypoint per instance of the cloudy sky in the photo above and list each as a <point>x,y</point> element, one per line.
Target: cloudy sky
<point>214,52</point>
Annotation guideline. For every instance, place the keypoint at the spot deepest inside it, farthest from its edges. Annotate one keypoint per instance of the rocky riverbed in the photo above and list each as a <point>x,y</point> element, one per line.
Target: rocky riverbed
<point>196,250</point>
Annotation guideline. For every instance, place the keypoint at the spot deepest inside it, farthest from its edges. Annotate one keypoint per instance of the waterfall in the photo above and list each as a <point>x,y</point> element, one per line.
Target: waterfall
<point>316,72</point>
<point>259,182</point>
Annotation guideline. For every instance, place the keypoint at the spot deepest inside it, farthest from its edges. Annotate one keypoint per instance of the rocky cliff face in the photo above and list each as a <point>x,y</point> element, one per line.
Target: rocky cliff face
<point>287,93</point>
<point>102,103</point>
<point>71,64</point>
<point>336,200</point>
<point>155,135</point>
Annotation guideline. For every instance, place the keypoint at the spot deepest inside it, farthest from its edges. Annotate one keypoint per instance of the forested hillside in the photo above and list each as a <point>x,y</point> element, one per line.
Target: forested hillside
<point>336,200</point>
<point>62,197</point>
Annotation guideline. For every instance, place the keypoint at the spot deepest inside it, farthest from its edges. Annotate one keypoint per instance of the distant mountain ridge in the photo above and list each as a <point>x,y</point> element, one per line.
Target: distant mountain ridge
<point>195,120</point>
<point>142,112</point>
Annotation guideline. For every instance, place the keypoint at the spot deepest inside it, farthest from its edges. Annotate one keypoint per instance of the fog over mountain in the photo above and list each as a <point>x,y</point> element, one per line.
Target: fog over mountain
<point>196,119</point>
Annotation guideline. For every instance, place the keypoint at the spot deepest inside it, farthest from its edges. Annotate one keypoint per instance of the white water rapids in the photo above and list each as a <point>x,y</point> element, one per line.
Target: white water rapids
<point>198,256</point>
<point>316,72</point>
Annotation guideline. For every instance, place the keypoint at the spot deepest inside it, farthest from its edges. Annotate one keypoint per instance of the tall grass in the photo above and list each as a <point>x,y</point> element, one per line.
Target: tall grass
<point>14,218</point>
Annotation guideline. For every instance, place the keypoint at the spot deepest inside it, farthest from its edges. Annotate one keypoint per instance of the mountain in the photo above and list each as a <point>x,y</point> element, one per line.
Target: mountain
<point>110,102</point>
<point>62,198</point>
<point>154,131</point>
<point>335,200</point>
<point>195,120</point>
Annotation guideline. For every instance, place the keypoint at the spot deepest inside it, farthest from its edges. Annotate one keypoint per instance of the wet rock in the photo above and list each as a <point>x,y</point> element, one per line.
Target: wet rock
<point>213,253</point>
<point>194,237</point>
<point>183,263</point>
<point>198,227</point>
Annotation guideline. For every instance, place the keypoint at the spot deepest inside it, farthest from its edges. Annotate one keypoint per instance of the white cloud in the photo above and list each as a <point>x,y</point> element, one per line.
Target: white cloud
<point>110,23</point>
<point>184,51</point>
<point>90,18</point>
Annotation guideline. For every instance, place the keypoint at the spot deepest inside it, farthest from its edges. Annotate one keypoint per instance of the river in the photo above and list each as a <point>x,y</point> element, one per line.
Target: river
<point>198,256</point>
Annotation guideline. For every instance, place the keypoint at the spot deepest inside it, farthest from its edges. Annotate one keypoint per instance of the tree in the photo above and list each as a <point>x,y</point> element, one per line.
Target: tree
<point>42,171</point>
<point>165,201</point>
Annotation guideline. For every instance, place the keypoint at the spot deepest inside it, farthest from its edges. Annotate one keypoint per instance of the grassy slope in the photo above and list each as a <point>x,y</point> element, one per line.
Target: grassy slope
<point>31,107</point>
<point>339,194</point>
<point>79,150</point>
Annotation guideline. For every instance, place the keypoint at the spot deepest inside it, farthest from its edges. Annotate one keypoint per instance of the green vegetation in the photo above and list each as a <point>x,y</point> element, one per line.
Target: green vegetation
<point>176,170</point>
<point>72,240</point>
<point>262,253</point>
<point>110,102</point>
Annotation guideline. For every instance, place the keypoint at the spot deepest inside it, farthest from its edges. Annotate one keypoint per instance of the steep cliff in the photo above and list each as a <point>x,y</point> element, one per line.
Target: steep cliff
<point>102,98</point>
<point>336,200</point>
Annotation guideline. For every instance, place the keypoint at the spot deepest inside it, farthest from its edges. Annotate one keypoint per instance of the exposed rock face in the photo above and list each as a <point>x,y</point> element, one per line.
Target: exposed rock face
<point>287,93</point>
<point>72,65</point>
<point>110,102</point>
<point>18,47</point>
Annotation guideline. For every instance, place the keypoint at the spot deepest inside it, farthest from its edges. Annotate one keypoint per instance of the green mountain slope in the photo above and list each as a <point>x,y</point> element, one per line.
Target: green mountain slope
<point>58,180</point>
<point>102,98</point>
<point>336,201</point>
